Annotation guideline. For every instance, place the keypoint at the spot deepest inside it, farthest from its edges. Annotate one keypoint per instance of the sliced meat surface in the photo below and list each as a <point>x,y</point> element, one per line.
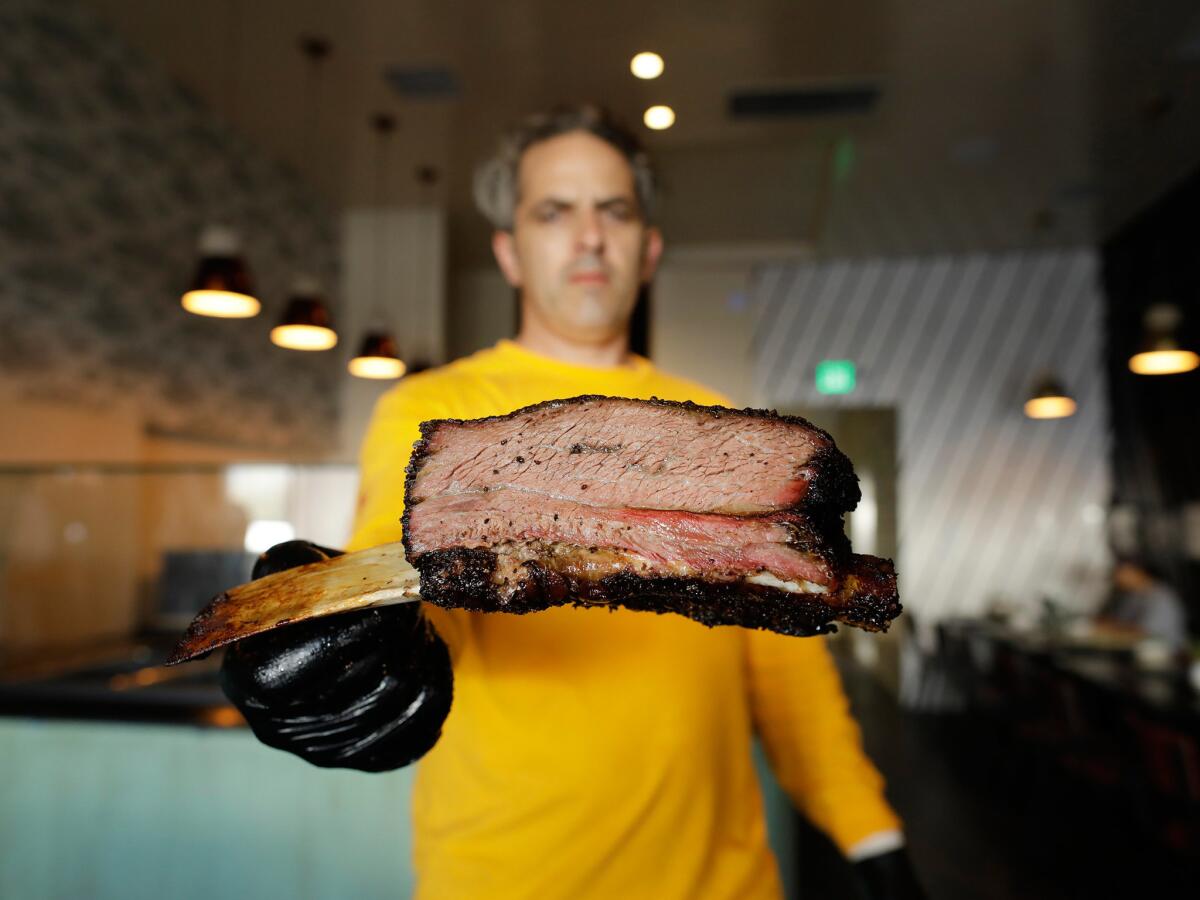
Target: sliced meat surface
<point>667,542</point>
<point>649,454</point>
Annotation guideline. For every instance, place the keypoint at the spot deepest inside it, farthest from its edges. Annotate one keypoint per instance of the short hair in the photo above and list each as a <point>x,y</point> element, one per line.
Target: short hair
<point>496,180</point>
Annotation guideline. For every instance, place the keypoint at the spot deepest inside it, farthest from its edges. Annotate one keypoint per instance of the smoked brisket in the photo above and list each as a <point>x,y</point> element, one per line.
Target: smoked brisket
<point>725,516</point>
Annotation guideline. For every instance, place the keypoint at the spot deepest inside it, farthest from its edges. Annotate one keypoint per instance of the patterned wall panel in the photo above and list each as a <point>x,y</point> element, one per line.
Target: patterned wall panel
<point>993,507</point>
<point>108,171</point>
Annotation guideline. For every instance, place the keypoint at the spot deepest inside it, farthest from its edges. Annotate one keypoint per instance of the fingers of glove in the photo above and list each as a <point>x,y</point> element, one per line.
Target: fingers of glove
<point>322,661</point>
<point>290,554</point>
<point>388,726</point>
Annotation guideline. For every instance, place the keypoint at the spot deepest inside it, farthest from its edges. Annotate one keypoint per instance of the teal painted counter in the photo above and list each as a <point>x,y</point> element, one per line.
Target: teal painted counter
<point>102,811</point>
<point>92,811</point>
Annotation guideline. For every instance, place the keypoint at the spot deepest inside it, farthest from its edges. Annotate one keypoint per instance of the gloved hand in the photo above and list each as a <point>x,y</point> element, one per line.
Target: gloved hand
<point>364,690</point>
<point>888,876</point>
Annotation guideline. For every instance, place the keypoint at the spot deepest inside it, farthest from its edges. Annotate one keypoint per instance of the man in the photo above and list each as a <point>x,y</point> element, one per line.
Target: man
<point>588,753</point>
<point>1145,606</point>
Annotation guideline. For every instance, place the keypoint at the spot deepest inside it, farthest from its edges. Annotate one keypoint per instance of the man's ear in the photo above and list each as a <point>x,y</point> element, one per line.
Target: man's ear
<point>652,254</point>
<point>505,251</point>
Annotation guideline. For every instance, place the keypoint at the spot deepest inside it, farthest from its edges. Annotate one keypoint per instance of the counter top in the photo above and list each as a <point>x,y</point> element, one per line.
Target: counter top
<point>116,681</point>
<point>1103,665</point>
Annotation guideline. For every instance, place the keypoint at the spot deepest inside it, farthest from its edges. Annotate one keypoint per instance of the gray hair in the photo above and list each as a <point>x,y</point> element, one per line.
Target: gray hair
<point>496,180</point>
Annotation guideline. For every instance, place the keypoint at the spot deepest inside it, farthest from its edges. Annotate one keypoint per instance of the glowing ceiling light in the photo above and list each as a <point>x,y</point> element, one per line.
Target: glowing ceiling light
<point>305,324</point>
<point>659,118</point>
<point>377,358</point>
<point>1049,407</point>
<point>1049,400</point>
<point>222,287</point>
<point>221,304</point>
<point>1163,362</point>
<point>646,65</point>
<point>1160,353</point>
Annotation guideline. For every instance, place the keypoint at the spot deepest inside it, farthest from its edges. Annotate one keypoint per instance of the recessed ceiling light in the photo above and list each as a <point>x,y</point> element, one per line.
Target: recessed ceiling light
<point>646,65</point>
<point>659,117</point>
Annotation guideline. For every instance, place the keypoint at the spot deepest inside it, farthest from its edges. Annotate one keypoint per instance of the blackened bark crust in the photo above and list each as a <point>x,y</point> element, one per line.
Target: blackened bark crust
<point>463,578</point>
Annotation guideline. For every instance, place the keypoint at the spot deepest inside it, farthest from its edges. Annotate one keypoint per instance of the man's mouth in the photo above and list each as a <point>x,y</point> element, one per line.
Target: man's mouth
<point>589,277</point>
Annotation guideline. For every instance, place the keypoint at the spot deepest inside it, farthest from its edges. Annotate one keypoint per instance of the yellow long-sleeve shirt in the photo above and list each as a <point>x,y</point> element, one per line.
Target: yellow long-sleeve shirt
<point>607,754</point>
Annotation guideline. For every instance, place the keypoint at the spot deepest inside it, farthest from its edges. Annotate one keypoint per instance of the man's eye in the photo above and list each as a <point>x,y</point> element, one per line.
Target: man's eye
<point>549,214</point>
<point>621,212</point>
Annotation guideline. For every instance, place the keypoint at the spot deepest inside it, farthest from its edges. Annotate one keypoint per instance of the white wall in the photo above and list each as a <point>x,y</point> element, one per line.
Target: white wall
<point>994,508</point>
<point>702,324</point>
<point>482,311</point>
<point>393,277</point>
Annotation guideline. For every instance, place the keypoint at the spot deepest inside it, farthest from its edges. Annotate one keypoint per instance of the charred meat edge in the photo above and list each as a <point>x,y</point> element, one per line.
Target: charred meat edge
<point>463,579</point>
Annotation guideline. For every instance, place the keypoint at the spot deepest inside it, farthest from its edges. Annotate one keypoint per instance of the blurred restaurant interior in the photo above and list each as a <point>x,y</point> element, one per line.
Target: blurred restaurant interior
<point>942,231</point>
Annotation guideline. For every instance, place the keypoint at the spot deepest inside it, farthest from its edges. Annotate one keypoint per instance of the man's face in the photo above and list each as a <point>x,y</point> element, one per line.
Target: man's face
<point>1128,577</point>
<point>579,249</point>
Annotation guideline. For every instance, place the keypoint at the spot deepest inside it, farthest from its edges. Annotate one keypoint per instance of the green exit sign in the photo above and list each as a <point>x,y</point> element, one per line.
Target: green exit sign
<point>835,376</point>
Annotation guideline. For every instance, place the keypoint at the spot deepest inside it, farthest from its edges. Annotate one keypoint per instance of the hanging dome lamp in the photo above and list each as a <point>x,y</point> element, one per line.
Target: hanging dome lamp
<point>378,357</point>
<point>222,287</point>
<point>305,324</point>
<point>1160,353</point>
<point>1049,400</point>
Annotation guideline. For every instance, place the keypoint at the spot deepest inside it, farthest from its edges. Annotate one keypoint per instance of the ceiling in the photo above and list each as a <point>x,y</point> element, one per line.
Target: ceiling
<point>998,125</point>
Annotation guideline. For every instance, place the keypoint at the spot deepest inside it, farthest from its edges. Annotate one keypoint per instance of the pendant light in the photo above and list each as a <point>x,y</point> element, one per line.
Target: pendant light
<point>427,177</point>
<point>1160,353</point>
<point>1049,400</point>
<point>222,287</point>
<point>306,323</point>
<point>378,357</point>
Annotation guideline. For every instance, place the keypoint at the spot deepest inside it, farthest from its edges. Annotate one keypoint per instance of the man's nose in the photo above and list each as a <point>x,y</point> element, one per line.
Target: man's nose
<point>590,233</point>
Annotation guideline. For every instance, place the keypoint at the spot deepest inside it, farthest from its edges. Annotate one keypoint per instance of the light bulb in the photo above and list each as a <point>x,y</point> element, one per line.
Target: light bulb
<point>659,118</point>
<point>646,65</point>
<point>221,304</point>
<point>1049,407</point>
<point>1163,362</point>
<point>303,337</point>
<point>377,367</point>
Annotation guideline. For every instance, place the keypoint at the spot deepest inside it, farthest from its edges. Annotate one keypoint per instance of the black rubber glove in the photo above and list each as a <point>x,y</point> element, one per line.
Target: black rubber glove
<point>364,690</point>
<point>888,876</point>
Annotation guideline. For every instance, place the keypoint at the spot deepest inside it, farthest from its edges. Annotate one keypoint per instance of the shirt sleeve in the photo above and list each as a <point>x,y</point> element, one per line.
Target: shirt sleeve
<point>387,446</point>
<point>1164,618</point>
<point>812,741</point>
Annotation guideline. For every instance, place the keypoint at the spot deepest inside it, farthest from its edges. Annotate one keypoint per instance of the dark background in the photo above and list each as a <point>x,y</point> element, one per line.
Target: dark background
<point>1156,420</point>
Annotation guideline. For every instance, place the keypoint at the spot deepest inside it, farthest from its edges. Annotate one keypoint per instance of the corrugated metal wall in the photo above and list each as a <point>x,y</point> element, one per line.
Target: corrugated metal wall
<point>993,507</point>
